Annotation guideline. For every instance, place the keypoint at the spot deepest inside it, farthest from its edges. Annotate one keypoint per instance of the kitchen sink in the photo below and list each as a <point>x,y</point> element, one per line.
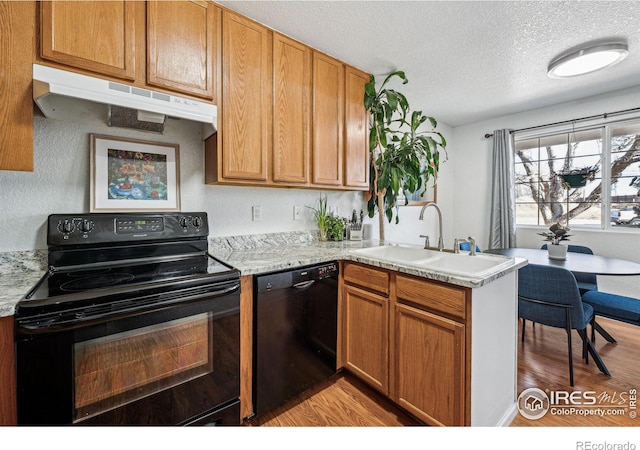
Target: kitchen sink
<point>460,264</point>
<point>397,253</point>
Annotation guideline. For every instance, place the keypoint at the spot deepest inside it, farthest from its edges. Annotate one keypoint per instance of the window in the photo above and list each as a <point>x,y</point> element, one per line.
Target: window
<point>609,198</point>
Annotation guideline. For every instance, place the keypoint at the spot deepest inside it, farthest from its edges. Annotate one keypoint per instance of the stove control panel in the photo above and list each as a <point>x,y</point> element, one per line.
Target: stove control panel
<point>139,225</point>
<point>102,228</point>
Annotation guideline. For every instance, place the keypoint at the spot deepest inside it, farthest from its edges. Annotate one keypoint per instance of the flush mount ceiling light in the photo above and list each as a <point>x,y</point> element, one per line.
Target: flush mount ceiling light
<point>588,59</point>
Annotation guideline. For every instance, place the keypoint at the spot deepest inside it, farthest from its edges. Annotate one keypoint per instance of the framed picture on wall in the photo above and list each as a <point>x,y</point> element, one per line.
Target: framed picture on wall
<point>415,199</point>
<point>133,175</point>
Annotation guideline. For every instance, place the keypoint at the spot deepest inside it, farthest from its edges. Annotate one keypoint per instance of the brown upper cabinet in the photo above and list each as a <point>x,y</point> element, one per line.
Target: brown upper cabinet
<point>96,36</point>
<point>176,47</point>
<point>328,120</point>
<point>356,131</point>
<point>17,47</point>
<point>288,115</point>
<point>291,110</point>
<point>243,144</point>
<point>183,46</point>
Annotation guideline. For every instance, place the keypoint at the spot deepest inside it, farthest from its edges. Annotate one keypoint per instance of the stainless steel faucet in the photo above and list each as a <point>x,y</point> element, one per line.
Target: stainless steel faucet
<point>472,246</point>
<point>470,240</point>
<point>440,240</point>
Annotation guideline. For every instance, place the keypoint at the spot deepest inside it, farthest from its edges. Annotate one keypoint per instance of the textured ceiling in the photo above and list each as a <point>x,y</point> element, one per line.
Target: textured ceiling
<point>466,60</point>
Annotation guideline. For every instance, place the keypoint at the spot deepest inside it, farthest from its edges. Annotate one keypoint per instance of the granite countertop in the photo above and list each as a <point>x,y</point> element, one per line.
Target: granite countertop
<point>13,287</point>
<point>264,259</point>
<point>251,255</point>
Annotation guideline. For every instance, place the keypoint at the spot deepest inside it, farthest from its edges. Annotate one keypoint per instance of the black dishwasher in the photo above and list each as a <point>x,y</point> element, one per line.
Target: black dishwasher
<point>295,328</point>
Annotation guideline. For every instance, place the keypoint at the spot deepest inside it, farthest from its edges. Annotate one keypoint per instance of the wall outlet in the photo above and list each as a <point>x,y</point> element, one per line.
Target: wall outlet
<point>256,213</point>
<point>297,212</point>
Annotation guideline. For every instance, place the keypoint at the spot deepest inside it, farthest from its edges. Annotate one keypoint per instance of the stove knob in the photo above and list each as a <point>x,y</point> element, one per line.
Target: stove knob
<point>197,222</point>
<point>184,223</point>
<point>86,226</point>
<point>67,226</point>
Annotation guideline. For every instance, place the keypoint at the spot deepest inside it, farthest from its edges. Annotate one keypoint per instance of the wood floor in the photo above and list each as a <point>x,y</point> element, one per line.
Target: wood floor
<point>341,401</point>
<point>542,363</point>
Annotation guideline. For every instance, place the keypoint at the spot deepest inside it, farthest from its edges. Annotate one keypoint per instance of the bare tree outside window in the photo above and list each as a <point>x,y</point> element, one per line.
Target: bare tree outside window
<point>543,199</point>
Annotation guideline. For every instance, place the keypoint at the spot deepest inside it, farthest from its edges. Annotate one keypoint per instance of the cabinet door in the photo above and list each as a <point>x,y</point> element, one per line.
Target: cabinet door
<point>328,119</point>
<point>366,336</point>
<point>246,95</point>
<point>95,36</point>
<point>429,366</point>
<point>8,410</point>
<point>291,110</point>
<point>17,50</point>
<point>356,132</point>
<point>182,48</point>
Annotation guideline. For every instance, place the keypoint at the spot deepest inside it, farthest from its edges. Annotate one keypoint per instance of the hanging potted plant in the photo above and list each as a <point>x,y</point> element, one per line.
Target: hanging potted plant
<point>576,178</point>
<point>555,235</point>
<point>403,158</point>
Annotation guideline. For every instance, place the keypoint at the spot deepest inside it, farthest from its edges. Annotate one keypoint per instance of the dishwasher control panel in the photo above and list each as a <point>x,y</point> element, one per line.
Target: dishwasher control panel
<point>315,272</point>
<point>295,277</point>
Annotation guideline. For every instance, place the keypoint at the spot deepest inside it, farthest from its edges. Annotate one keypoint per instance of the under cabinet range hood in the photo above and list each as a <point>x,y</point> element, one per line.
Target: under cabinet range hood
<point>65,95</point>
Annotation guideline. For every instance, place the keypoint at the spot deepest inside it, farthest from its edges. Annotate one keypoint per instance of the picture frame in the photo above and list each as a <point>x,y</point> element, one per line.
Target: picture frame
<point>133,175</point>
<point>415,199</point>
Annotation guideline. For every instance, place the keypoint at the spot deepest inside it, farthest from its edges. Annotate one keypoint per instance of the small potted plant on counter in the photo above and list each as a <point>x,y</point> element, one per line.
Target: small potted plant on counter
<point>336,227</point>
<point>555,235</point>
<point>321,218</point>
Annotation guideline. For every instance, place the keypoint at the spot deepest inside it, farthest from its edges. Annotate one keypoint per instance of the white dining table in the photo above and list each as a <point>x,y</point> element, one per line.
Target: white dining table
<point>575,262</point>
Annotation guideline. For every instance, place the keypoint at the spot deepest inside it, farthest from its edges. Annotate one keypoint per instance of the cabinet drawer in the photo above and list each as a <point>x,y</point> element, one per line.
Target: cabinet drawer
<point>367,277</point>
<point>436,297</point>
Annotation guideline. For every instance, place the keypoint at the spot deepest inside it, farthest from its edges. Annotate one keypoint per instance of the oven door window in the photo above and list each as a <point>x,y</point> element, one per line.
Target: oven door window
<point>115,370</point>
<point>168,366</point>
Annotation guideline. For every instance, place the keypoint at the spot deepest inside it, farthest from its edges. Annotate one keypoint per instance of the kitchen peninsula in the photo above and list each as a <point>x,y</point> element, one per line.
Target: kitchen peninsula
<point>476,330</point>
<point>473,321</point>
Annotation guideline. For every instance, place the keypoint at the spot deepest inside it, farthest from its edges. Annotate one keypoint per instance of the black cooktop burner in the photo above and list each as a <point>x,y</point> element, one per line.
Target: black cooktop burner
<point>92,282</point>
<point>79,284</point>
<point>98,259</point>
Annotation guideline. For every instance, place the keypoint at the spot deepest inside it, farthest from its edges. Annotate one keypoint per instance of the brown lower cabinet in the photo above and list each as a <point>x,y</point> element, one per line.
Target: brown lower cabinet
<point>8,411</point>
<point>366,342</point>
<point>409,338</point>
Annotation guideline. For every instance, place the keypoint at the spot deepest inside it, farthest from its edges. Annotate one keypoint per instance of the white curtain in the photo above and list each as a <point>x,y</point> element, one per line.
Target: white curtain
<point>502,232</point>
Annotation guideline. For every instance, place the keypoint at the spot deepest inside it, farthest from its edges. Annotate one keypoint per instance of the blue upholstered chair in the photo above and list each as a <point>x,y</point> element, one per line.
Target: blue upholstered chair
<point>466,247</point>
<point>586,281</point>
<point>612,306</point>
<point>550,296</point>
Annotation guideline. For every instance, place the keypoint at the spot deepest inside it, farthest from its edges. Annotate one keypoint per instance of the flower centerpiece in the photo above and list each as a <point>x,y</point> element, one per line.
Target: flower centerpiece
<point>555,235</point>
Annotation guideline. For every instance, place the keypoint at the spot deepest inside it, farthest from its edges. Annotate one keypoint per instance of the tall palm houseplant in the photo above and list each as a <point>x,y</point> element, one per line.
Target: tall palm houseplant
<point>403,158</point>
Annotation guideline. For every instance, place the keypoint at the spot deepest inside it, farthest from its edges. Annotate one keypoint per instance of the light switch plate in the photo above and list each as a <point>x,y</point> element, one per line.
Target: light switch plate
<point>297,212</point>
<point>256,213</point>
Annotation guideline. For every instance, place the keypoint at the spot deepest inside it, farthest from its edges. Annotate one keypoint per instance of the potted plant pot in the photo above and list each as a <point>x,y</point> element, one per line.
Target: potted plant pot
<point>321,218</point>
<point>574,181</point>
<point>557,251</point>
<point>577,177</point>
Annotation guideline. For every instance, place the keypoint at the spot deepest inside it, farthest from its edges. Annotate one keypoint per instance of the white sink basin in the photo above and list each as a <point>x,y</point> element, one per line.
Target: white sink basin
<point>397,253</point>
<point>461,264</point>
